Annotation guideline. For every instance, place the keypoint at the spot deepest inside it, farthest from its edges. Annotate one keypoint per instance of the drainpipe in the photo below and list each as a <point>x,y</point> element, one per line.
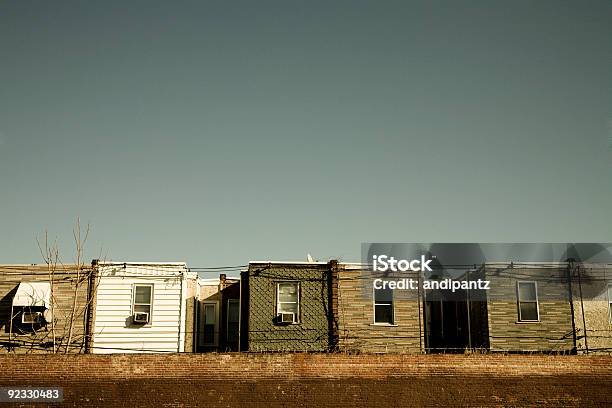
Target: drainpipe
<point>10,347</point>
<point>91,305</point>
<point>181,328</point>
<point>571,302</point>
<point>332,282</point>
<point>469,317</point>
<point>586,340</point>
<point>240,311</point>
<point>420,305</point>
<point>222,314</point>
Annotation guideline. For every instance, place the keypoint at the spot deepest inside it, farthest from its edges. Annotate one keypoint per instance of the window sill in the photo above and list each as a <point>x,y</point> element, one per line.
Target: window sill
<point>528,321</point>
<point>383,324</point>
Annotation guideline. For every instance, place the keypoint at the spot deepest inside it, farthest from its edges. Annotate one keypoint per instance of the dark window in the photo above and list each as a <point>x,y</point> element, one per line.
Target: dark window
<point>28,319</point>
<point>233,315</point>
<point>210,319</point>
<point>528,302</point>
<point>383,306</point>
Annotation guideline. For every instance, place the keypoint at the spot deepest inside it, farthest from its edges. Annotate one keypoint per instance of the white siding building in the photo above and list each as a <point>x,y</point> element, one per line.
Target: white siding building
<point>142,307</point>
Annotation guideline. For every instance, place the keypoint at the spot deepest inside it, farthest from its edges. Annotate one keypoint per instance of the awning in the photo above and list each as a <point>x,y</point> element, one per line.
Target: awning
<point>33,294</point>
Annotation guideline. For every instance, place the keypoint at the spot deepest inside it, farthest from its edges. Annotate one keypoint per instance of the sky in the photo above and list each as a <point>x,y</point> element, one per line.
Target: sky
<point>217,133</point>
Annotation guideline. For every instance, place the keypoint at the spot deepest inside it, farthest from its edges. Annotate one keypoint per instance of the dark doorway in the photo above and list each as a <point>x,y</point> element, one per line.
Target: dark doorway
<point>454,323</point>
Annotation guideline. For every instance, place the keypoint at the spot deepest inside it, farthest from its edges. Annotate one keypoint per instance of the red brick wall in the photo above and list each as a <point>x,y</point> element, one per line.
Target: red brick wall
<point>315,379</point>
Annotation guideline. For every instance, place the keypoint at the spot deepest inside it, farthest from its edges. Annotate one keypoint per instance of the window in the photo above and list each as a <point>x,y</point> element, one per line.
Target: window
<point>209,324</point>
<point>288,302</point>
<point>143,300</point>
<point>29,305</point>
<point>28,319</point>
<point>528,301</point>
<point>29,316</point>
<point>233,316</point>
<point>383,306</point>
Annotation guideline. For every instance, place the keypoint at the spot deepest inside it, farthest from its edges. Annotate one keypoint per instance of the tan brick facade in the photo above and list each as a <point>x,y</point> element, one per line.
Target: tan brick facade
<point>591,296</point>
<point>40,340</point>
<point>553,330</point>
<point>357,331</point>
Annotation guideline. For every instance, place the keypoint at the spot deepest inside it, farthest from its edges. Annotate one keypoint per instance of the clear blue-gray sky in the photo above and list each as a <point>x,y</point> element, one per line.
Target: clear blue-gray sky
<point>221,132</point>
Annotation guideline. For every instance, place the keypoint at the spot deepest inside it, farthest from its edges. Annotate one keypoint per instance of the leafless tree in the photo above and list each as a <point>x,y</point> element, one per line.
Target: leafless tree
<point>50,254</point>
<point>66,337</point>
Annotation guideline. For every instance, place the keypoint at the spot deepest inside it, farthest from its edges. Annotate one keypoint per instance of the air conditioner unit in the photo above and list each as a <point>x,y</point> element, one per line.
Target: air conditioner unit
<point>286,317</point>
<point>141,317</point>
<point>31,317</point>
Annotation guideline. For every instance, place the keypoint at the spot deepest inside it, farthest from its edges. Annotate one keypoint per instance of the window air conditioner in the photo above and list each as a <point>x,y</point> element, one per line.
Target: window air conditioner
<point>286,317</point>
<point>141,317</point>
<point>31,317</point>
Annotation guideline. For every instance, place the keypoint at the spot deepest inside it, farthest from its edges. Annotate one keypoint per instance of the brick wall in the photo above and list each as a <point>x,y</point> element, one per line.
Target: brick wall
<point>316,379</point>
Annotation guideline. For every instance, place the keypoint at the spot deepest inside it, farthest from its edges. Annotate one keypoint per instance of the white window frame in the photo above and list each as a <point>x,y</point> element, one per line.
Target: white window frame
<point>518,301</point>
<point>227,319</point>
<point>152,286</point>
<point>374,304</point>
<point>37,313</point>
<point>299,292</point>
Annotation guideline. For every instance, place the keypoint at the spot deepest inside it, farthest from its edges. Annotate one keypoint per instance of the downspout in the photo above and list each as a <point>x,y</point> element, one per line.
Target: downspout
<point>181,328</point>
<point>469,314</point>
<point>91,301</point>
<point>586,341</point>
<point>11,330</point>
<point>244,311</point>
<point>571,302</point>
<point>420,305</point>
<point>239,312</point>
<point>332,284</point>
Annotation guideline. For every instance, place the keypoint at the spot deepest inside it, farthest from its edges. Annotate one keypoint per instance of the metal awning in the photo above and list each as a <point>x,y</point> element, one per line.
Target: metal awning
<point>33,294</point>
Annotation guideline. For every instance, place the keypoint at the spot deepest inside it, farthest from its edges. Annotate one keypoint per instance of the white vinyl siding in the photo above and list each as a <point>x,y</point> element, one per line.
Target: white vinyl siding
<point>115,303</point>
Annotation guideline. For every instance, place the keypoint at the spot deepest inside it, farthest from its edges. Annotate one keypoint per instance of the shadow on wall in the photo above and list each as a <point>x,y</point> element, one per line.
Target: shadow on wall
<point>6,304</point>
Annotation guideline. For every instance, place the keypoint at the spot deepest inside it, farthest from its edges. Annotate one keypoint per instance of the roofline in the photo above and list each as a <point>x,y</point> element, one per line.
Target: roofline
<point>216,280</point>
<point>133,263</point>
<point>288,263</point>
<point>25,265</point>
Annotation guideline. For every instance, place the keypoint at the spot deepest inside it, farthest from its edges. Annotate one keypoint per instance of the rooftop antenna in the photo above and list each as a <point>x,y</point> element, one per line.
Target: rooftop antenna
<point>309,257</point>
